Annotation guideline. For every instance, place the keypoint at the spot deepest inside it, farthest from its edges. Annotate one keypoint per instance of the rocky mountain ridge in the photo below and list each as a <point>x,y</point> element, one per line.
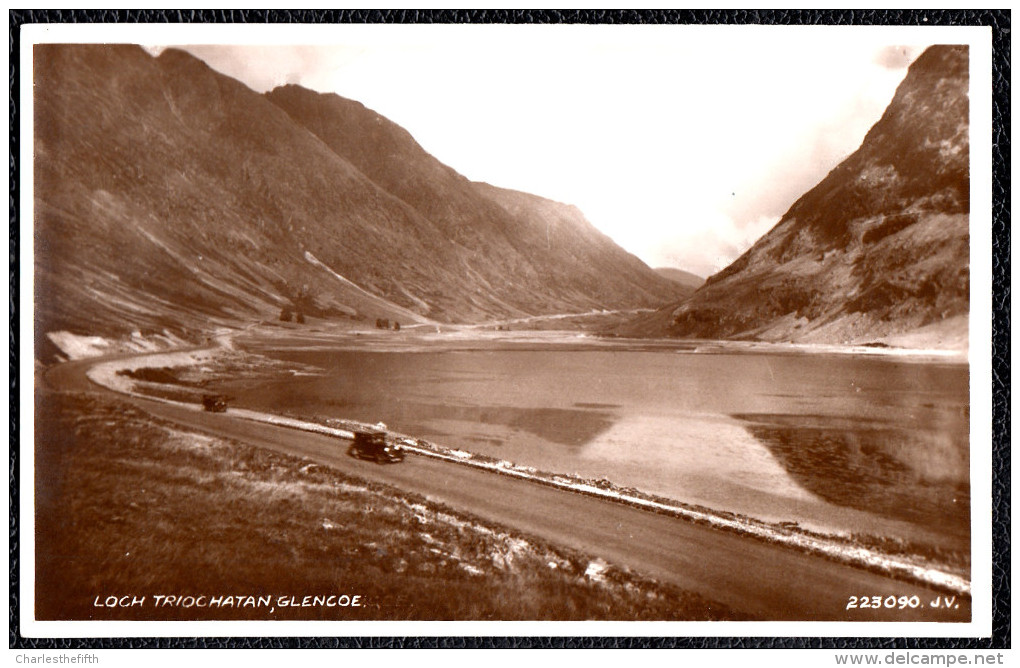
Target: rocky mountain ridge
<point>877,251</point>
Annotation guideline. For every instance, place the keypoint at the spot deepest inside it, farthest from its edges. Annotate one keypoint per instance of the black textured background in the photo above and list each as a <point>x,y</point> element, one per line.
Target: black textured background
<point>998,20</point>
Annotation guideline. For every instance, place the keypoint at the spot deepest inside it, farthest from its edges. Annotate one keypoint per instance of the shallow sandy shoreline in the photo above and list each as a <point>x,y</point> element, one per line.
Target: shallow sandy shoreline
<point>472,337</point>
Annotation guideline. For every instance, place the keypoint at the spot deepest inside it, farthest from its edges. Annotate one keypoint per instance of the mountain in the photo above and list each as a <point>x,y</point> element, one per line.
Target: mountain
<point>685,278</point>
<point>878,251</point>
<point>168,196</point>
<point>519,243</point>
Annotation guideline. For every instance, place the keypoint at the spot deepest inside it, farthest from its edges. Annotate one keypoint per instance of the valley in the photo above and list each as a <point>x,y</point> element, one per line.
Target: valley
<point>587,438</point>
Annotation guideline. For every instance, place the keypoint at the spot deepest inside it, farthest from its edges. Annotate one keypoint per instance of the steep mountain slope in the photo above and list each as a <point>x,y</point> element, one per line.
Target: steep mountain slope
<point>879,248</point>
<point>169,196</point>
<point>568,251</point>
<point>518,244</point>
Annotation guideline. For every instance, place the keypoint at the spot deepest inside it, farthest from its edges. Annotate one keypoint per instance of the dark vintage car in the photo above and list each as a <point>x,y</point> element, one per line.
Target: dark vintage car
<point>214,403</point>
<point>372,444</point>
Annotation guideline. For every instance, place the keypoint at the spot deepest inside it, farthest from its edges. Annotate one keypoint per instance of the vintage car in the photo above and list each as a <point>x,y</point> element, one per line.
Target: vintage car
<point>372,444</point>
<point>214,403</point>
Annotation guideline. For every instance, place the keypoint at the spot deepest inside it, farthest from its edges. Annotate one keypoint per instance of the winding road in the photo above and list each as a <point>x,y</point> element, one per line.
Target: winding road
<point>762,580</point>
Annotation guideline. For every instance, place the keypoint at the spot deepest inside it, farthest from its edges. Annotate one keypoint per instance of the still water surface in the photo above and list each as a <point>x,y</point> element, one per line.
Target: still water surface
<point>841,443</point>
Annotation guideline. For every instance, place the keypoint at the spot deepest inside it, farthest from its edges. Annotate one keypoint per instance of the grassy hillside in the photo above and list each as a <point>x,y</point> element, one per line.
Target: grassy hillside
<point>126,506</point>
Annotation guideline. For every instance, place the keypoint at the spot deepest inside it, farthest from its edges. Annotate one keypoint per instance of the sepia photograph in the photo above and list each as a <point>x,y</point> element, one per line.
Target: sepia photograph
<point>380,325</point>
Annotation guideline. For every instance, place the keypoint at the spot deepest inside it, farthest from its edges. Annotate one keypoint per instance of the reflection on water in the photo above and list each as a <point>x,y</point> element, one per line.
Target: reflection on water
<point>556,425</point>
<point>835,442</point>
<point>919,476</point>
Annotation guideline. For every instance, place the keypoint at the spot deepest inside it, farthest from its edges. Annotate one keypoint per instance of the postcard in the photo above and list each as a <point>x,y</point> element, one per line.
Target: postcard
<point>505,330</point>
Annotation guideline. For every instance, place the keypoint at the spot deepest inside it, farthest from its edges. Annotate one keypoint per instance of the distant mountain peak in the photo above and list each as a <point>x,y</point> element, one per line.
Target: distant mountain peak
<point>687,279</point>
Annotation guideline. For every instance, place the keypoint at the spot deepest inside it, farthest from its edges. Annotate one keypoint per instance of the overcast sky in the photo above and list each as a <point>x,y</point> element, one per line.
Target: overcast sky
<point>683,144</point>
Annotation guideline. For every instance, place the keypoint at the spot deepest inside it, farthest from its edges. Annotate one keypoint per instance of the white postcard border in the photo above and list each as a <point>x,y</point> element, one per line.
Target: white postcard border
<point>979,40</point>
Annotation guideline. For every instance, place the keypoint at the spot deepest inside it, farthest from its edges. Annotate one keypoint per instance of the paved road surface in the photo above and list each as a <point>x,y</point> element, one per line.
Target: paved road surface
<point>762,580</point>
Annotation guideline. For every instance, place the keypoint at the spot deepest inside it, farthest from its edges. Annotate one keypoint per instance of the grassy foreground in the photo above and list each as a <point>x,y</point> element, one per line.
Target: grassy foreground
<point>130,507</point>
